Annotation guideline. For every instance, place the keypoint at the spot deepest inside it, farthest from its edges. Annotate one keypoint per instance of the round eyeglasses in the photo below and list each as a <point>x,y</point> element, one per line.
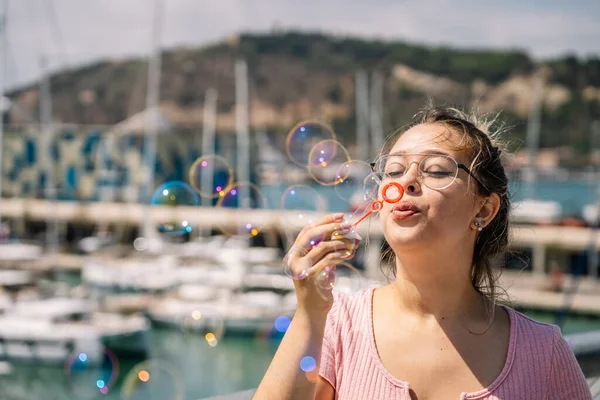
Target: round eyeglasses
<point>436,171</point>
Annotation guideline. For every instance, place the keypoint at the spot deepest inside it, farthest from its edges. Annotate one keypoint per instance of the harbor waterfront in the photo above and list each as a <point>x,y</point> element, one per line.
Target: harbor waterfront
<point>236,364</point>
<point>239,360</point>
<point>158,162</point>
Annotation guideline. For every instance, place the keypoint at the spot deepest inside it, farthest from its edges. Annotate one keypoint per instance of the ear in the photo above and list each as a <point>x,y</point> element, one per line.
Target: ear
<point>486,209</point>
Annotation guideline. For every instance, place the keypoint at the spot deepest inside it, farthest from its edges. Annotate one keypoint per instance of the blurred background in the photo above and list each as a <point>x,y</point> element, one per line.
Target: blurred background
<point>159,157</point>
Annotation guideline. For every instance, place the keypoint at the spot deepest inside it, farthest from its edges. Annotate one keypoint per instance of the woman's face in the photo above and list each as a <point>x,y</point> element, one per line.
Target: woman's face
<point>427,216</point>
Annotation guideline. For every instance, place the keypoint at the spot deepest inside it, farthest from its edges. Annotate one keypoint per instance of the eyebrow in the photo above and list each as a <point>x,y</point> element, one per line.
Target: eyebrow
<point>424,152</point>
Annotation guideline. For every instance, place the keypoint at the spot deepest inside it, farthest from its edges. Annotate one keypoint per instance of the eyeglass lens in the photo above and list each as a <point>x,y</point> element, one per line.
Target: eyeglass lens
<point>435,171</point>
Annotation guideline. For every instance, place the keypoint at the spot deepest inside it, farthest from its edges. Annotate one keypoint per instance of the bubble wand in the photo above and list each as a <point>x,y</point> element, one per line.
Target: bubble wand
<point>377,205</point>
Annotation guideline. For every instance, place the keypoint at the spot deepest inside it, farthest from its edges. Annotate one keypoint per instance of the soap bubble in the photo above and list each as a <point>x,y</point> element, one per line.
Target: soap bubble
<point>324,161</point>
<point>353,182</point>
<point>240,198</point>
<point>303,205</point>
<point>270,331</point>
<point>308,364</point>
<point>282,323</point>
<point>297,263</point>
<point>91,375</point>
<point>371,185</point>
<point>342,277</point>
<point>167,200</point>
<point>303,137</point>
<point>153,380</point>
<point>210,175</point>
<point>203,325</point>
<point>351,234</point>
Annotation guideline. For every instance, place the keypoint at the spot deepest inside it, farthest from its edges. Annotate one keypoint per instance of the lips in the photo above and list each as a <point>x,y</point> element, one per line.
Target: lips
<point>404,209</point>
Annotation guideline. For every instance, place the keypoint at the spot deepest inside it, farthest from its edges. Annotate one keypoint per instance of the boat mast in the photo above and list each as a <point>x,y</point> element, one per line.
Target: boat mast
<point>361,88</point>
<point>47,135</point>
<point>593,259</point>
<point>3,43</point>
<point>209,123</point>
<point>376,111</point>
<point>533,135</point>
<point>243,135</point>
<point>151,116</point>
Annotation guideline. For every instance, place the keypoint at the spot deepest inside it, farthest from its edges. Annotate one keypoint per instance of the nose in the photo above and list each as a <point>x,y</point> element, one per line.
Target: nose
<point>410,179</point>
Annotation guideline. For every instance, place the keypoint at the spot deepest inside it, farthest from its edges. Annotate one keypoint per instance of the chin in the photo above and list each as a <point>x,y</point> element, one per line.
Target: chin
<point>405,236</point>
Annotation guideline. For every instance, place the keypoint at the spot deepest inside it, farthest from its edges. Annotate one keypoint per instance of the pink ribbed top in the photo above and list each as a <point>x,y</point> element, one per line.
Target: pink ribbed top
<point>539,364</point>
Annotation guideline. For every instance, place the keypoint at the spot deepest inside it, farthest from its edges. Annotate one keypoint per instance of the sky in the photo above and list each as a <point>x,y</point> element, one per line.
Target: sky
<point>72,32</point>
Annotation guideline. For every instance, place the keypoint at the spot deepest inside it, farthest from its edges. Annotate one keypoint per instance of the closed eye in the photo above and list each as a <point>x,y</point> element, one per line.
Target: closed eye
<point>394,174</point>
<point>439,174</point>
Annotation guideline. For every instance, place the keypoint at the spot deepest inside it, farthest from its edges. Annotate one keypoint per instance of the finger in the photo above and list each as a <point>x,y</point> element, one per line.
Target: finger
<point>346,246</point>
<point>329,261</point>
<point>323,273</point>
<point>296,263</point>
<point>327,219</point>
<point>320,233</point>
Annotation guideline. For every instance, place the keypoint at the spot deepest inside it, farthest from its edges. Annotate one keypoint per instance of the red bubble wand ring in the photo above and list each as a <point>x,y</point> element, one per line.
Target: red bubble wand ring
<point>377,205</point>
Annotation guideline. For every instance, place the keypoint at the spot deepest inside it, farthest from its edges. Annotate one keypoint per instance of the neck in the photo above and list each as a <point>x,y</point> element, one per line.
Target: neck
<point>436,284</point>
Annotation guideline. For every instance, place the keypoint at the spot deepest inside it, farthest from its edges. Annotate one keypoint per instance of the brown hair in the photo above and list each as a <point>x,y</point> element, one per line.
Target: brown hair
<point>485,153</point>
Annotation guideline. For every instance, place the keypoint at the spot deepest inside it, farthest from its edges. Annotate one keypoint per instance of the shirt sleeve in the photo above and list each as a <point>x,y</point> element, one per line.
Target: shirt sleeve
<point>328,366</point>
<point>566,378</point>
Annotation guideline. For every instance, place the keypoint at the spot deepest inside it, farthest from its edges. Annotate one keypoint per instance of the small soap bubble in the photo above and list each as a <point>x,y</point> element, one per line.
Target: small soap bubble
<point>210,175</point>
<point>351,236</point>
<point>350,178</point>
<point>343,277</point>
<point>303,137</point>
<point>203,325</point>
<point>297,263</point>
<point>153,380</point>
<point>165,203</point>
<point>303,206</point>
<point>371,185</point>
<point>325,160</point>
<point>348,279</point>
<point>308,364</point>
<point>91,375</point>
<point>240,198</point>
<point>269,332</point>
<point>282,323</point>
<point>326,278</point>
<point>140,244</point>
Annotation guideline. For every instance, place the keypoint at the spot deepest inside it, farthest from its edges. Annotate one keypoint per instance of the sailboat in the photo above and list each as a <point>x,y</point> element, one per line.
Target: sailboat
<point>591,212</point>
<point>532,210</point>
<point>11,252</point>
<point>102,237</point>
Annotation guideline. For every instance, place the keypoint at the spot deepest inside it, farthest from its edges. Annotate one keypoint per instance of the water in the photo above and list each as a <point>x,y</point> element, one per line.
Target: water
<point>235,364</point>
<point>573,195</point>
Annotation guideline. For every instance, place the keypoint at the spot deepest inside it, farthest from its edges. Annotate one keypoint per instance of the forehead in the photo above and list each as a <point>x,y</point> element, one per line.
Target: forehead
<point>425,137</point>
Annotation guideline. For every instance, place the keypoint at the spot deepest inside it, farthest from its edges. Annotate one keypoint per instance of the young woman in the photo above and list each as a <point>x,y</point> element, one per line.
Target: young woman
<point>436,331</point>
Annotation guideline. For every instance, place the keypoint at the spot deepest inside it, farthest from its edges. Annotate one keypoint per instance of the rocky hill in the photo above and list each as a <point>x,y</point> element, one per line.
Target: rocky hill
<point>295,76</point>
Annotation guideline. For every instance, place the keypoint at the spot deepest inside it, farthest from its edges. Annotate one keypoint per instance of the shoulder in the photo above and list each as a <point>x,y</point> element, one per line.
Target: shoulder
<point>351,305</point>
<point>532,340</point>
<point>348,310</point>
<point>541,361</point>
<point>530,329</point>
<point>534,343</point>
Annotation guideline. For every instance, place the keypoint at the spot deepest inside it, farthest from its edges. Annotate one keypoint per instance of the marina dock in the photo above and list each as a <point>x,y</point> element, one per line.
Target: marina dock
<point>133,214</point>
<point>524,287</point>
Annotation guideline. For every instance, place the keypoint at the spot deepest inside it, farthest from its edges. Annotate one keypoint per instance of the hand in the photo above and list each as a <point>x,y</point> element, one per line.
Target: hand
<point>312,260</point>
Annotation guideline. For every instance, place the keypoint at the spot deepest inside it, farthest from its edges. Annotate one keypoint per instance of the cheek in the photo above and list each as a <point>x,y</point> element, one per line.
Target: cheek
<point>451,214</point>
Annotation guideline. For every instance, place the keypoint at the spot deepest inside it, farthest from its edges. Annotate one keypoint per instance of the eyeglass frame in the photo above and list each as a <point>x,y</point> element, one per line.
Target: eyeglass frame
<point>459,165</point>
